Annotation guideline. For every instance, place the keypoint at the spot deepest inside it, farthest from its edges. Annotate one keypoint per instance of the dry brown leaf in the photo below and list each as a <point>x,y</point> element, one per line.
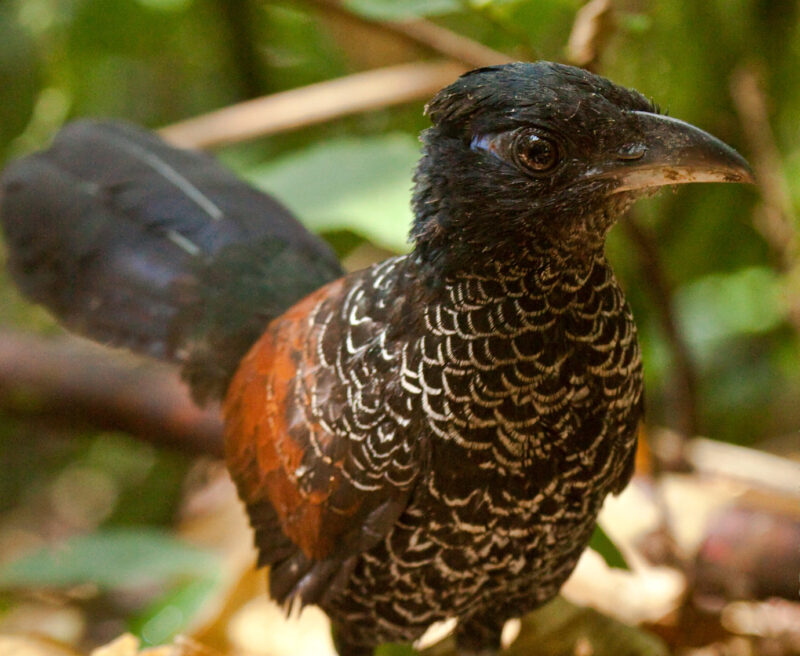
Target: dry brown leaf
<point>28,645</point>
<point>63,624</point>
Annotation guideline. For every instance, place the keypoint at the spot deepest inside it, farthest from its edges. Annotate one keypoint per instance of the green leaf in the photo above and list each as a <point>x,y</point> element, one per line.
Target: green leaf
<point>635,22</point>
<point>19,77</point>
<point>603,545</point>
<point>721,306</point>
<point>166,5</point>
<point>173,612</point>
<point>119,558</point>
<point>362,185</point>
<point>561,627</point>
<point>402,9</point>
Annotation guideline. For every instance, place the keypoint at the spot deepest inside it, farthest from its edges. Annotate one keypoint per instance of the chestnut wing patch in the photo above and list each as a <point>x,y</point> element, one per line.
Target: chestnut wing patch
<point>319,437</point>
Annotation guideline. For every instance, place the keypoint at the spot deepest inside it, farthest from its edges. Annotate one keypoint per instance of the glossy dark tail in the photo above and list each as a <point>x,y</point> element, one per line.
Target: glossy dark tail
<point>134,243</point>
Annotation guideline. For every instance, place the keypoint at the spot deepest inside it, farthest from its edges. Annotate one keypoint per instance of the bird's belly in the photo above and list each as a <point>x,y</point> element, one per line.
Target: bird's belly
<point>451,558</point>
<point>499,518</point>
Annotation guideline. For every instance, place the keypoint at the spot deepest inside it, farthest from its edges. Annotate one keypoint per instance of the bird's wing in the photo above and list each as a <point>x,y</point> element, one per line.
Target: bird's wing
<point>319,439</point>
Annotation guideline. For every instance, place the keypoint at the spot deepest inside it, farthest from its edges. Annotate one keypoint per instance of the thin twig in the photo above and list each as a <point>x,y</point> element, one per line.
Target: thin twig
<point>427,34</point>
<point>775,219</point>
<point>684,387</point>
<point>240,36</point>
<point>593,26</point>
<point>71,383</point>
<point>313,104</point>
<point>451,44</point>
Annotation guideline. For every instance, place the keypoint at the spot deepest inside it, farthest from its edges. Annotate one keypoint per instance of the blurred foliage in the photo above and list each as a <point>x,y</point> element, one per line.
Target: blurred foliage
<point>159,61</point>
<point>559,627</point>
<point>121,558</point>
<point>340,199</point>
<point>179,577</point>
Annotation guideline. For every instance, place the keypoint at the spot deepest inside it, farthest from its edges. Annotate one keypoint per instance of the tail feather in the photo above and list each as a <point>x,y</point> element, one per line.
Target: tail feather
<point>137,244</point>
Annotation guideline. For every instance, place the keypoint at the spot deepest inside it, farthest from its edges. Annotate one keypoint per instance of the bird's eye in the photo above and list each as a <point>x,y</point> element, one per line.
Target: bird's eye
<point>535,153</point>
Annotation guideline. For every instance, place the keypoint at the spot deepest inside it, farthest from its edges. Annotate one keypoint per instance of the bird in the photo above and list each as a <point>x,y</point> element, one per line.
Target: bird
<point>433,436</point>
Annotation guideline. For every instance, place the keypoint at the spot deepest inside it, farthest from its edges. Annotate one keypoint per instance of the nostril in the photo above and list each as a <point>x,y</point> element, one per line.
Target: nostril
<point>631,151</point>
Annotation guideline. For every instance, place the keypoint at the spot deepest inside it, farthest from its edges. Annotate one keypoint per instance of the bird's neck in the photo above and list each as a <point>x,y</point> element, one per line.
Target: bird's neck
<point>550,267</point>
<point>460,227</point>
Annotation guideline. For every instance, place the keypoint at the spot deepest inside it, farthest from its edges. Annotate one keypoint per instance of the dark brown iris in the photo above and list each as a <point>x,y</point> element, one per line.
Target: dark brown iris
<point>535,153</point>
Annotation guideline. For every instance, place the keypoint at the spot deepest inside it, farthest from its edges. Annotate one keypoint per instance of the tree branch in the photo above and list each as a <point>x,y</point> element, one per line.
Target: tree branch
<point>313,104</point>
<point>593,26</point>
<point>237,20</point>
<point>775,219</point>
<point>427,34</point>
<point>684,388</point>
<point>355,93</point>
<point>68,382</point>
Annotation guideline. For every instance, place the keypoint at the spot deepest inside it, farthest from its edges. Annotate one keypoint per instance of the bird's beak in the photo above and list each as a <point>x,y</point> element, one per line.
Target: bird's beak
<point>670,152</point>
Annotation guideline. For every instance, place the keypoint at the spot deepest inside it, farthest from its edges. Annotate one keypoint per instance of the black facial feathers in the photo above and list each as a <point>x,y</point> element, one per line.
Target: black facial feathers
<point>506,171</point>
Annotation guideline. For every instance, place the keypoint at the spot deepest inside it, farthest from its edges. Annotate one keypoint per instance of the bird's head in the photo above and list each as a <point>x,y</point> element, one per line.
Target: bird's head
<point>527,158</point>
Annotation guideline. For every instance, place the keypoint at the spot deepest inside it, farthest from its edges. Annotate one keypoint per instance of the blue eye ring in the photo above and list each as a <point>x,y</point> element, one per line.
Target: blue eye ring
<point>527,149</point>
